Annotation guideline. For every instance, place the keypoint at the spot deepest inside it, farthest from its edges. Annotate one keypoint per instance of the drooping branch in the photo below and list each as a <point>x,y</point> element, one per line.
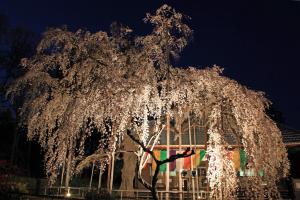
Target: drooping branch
<point>141,145</point>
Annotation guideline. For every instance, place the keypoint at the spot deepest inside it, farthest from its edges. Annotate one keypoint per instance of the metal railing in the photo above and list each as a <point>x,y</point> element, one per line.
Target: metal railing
<point>146,194</point>
<point>80,192</point>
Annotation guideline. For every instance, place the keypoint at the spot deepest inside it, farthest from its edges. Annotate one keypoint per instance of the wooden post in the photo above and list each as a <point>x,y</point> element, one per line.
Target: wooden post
<point>69,166</point>
<point>108,175</point>
<point>100,178</point>
<point>206,164</point>
<point>197,178</point>
<point>62,177</point>
<point>112,164</point>
<point>180,162</point>
<point>192,164</point>
<point>168,154</point>
<point>92,174</point>
<point>111,167</point>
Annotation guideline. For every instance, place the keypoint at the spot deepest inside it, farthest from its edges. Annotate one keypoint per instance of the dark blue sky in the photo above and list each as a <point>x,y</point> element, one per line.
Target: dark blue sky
<point>257,42</point>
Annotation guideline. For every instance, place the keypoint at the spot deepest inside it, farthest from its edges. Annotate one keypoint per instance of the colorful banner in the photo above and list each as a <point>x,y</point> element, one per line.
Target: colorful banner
<point>236,159</point>
<point>157,156</point>
<point>197,158</point>
<point>193,160</point>
<point>187,163</point>
<point>163,156</point>
<point>202,155</point>
<point>243,158</point>
<point>178,162</point>
<point>172,164</point>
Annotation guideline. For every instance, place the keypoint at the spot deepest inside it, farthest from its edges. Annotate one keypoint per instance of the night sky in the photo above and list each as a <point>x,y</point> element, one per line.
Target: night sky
<point>257,42</point>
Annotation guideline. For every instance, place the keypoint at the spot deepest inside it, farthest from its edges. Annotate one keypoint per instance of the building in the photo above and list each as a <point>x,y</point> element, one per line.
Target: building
<point>188,175</point>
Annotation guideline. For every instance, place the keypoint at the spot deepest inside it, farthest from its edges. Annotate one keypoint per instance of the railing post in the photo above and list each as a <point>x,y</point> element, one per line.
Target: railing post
<point>91,178</point>
<point>100,178</point>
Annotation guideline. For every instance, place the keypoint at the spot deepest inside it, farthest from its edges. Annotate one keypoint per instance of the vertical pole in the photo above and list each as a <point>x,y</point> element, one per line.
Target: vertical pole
<point>62,176</point>
<point>180,162</point>
<point>100,179</point>
<point>108,175</point>
<point>69,166</point>
<point>112,172</point>
<point>168,154</point>
<point>206,163</point>
<point>192,167</point>
<point>111,166</point>
<point>92,174</point>
<point>195,147</point>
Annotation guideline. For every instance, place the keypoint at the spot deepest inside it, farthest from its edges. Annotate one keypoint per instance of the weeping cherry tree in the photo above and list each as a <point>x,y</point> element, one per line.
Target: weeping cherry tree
<point>121,84</point>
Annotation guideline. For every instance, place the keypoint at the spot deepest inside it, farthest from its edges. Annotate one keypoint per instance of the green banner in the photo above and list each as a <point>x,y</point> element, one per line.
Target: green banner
<point>202,154</point>
<point>243,158</point>
<point>163,156</point>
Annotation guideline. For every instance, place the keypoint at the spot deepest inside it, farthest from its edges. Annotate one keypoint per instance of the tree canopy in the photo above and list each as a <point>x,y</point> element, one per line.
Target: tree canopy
<point>114,82</point>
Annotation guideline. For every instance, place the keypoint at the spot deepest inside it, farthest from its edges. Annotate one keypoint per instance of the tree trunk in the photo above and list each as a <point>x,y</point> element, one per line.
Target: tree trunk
<point>154,181</point>
<point>128,173</point>
<point>129,166</point>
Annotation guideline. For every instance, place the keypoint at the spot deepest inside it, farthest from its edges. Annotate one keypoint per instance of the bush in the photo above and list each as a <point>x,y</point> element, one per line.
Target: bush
<point>7,183</point>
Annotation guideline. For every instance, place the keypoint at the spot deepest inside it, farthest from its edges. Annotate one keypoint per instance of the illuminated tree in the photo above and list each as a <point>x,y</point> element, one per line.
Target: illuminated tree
<point>118,83</point>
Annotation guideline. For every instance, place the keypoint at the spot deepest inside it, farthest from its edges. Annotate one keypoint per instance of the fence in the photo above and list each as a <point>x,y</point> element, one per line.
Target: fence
<point>80,192</point>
